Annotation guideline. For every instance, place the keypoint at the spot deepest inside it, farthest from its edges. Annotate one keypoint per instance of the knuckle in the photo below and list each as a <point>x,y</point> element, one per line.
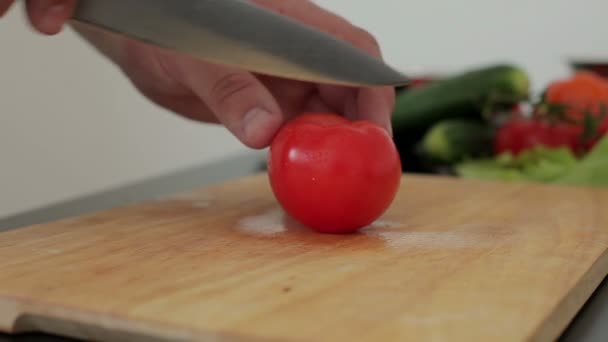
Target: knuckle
<point>365,40</point>
<point>231,86</point>
<point>286,7</point>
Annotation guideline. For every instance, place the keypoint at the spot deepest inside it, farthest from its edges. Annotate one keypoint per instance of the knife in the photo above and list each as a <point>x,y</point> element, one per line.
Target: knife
<point>240,34</point>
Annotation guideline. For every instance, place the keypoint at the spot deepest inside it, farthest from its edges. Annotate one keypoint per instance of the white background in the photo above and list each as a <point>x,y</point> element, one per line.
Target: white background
<point>94,131</point>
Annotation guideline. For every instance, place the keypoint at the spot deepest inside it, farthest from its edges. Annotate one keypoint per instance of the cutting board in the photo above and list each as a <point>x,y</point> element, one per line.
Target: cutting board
<point>451,260</point>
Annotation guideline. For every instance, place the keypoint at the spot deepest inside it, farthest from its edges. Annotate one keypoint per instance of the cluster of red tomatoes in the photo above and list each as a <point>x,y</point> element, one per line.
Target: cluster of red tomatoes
<point>573,113</point>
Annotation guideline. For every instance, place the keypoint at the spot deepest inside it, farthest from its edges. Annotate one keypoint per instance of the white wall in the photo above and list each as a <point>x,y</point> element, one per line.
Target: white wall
<point>95,131</point>
<point>70,124</point>
<point>448,35</point>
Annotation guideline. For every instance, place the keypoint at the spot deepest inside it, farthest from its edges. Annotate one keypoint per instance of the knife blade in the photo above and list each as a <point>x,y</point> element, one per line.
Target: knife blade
<point>240,34</point>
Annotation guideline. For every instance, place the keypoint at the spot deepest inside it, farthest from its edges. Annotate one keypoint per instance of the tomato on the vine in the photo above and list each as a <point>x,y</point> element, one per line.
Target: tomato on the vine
<point>602,131</point>
<point>573,113</point>
<point>520,134</point>
<point>332,174</point>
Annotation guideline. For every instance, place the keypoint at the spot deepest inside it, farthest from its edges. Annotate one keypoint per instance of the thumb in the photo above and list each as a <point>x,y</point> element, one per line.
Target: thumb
<point>4,6</point>
<point>48,16</point>
<point>238,99</point>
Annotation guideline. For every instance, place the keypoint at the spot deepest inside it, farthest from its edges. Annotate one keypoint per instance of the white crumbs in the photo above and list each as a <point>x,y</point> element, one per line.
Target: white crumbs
<point>267,224</point>
<point>434,240</point>
<point>379,224</point>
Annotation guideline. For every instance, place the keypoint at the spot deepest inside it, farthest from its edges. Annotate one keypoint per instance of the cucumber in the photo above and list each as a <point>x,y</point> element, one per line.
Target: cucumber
<point>454,140</point>
<point>461,96</point>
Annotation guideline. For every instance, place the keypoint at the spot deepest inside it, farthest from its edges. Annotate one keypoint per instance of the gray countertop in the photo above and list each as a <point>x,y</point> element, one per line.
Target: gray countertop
<point>590,325</point>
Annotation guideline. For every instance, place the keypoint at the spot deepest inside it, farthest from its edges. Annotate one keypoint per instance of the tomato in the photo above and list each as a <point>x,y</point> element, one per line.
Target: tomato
<point>601,132</point>
<point>520,134</point>
<point>331,174</point>
<point>583,93</point>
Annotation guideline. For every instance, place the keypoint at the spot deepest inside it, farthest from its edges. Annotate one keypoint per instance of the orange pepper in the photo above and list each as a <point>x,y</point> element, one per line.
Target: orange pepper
<point>584,92</point>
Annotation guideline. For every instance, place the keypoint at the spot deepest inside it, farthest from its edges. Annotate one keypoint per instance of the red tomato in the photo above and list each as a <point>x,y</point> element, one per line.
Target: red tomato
<point>331,174</point>
<point>604,127</point>
<point>521,134</point>
<point>601,132</point>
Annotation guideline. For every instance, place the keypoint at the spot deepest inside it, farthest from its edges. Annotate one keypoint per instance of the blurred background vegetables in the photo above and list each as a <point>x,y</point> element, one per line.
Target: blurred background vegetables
<point>485,123</point>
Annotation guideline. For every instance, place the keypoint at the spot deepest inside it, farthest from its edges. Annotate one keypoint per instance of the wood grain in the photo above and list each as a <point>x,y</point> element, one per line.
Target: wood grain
<point>451,260</point>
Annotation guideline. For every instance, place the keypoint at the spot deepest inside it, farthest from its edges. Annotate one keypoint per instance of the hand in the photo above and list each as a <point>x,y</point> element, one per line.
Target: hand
<point>253,107</point>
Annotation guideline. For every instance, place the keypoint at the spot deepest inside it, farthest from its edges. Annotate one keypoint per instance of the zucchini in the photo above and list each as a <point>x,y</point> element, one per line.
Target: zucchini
<point>454,140</point>
<point>465,95</point>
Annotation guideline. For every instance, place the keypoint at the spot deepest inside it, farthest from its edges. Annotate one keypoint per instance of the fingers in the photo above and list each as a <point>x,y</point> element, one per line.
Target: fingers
<point>237,98</point>
<point>376,105</point>
<point>340,99</point>
<point>198,90</point>
<point>4,6</point>
<point>316,104</point>
<point>49,16</point>
<point>373,104</point>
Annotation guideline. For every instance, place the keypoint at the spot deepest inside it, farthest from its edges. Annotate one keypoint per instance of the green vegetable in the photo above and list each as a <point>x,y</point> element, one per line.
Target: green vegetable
<point>541,164</point>
<point>461,96</point>
<point>537,164</point>
<point>453,140</point>
<point>592,170</point>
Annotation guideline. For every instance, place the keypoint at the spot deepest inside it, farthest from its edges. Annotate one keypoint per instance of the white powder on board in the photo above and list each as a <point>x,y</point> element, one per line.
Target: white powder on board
<point>381,224</point>
<point>443,240</point>
<point>267,224</point>
<point>271,223</point>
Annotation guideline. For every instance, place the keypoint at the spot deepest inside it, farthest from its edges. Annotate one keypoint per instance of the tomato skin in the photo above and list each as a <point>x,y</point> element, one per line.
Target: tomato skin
<point>333,175</point>
<point>520,134</point>
<point>601,132</point>
<point>509,137</point>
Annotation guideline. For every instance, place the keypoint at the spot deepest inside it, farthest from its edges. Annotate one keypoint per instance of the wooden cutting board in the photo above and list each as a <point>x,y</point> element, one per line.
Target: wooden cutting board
<point>451,260</point>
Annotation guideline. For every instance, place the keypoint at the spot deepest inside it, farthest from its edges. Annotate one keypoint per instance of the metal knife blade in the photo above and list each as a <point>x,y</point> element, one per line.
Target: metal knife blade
<point>240,34</point>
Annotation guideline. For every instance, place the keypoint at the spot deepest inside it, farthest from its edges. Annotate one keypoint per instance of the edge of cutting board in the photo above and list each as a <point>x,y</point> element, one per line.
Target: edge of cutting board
<point>18,316</point>
<point>570,305</point>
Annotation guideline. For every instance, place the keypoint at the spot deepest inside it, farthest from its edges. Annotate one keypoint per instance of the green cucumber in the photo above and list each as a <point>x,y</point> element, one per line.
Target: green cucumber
<point>454,140</point>
<point>460,96</point>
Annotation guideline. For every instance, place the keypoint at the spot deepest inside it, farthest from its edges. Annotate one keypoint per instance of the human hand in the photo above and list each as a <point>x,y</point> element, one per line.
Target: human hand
<point>252,106</point>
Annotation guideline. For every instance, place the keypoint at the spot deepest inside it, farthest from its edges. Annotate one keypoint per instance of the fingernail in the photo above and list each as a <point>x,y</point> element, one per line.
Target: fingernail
<point>53,18</point>
<point>256,125</point>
